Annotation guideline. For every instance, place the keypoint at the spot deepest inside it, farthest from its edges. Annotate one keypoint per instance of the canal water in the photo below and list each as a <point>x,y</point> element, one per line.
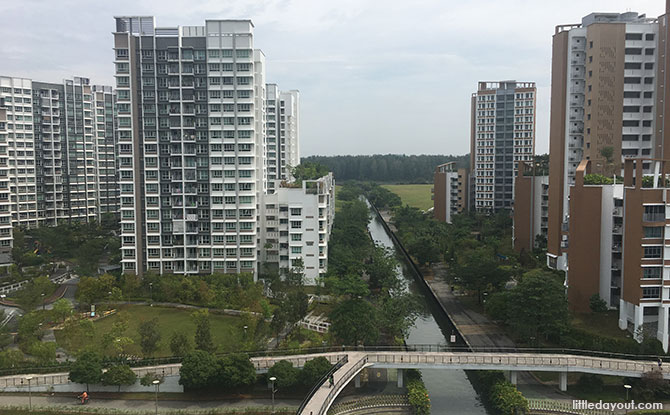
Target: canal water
<point>450,390</point>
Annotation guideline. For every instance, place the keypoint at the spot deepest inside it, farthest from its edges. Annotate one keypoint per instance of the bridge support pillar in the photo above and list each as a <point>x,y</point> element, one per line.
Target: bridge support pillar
<point>357,381</point>
<point>401,378</point>
<point>512,377</point>
<point>563,381</point>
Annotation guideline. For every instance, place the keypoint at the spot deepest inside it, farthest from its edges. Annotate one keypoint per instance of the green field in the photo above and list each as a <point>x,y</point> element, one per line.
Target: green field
<point>227,331</point>
<point>415,195</point>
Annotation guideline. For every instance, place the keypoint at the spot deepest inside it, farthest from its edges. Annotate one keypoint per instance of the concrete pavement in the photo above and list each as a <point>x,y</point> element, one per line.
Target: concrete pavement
<point>143,404</point>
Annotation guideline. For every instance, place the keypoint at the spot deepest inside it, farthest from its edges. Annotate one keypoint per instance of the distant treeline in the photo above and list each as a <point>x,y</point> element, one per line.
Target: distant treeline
<point>388,168</point>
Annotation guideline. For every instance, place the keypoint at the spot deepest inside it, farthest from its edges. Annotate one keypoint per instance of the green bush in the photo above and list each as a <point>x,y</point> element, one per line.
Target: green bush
<point>507,399</point>
<point>590,383</point>
<point>417,392</point>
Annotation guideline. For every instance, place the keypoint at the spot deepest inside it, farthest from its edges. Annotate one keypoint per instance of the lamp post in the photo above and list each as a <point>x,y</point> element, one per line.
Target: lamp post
<point>151,292</point>
<point>42,295</point>
<point>627,387</point>
<point>156,382</point>
<point>30,396</point>
<point>272,379</point>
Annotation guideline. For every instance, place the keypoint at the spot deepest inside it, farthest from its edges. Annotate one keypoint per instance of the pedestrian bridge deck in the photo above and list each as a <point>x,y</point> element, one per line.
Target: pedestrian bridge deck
<point>321,400</point>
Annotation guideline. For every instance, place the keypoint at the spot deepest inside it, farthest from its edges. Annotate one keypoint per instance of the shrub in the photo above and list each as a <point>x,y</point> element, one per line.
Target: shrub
<point>597,304</point>
<point>507,399</point>
<point>287,375</point>
<point>417,393</point>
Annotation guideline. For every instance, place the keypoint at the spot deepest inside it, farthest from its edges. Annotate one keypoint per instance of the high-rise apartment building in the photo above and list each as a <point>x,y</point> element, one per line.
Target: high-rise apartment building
<point>502,135</point>
<point>191,118</point>
<point>604,100</point>
<point>5,201</point>
<point>104,104</point>
<point>289,127</point>
<point>450,191</point>
<point>283,148</point>
<point>531,204</point>
<point>65,151</point>
<point>297,226</point>
<point>17,94</point>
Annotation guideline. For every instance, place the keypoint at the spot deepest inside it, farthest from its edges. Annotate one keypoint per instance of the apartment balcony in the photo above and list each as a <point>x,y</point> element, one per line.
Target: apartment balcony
<point>618,211</point>
<point>617,229</point>
<point>616,247</point>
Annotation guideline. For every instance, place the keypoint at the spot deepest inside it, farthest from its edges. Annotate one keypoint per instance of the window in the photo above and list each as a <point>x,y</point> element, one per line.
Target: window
<point>652,272</point>
<point>655,213</point>
<point>296,250</point>
<point>652,252</point>
<point>651,292</point>
<point>653,231</point>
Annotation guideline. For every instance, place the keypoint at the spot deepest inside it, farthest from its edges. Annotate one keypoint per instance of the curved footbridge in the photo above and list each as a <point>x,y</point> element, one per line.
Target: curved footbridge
<point>353,362</point>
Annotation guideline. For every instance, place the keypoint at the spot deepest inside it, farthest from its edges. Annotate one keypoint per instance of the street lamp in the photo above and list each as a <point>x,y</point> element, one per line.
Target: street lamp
<point>30,396</point>
<point>628,387</point>
<point>272,379</point>
<point>156,382</point>
<point>151,292</point>
<point>42,295</point>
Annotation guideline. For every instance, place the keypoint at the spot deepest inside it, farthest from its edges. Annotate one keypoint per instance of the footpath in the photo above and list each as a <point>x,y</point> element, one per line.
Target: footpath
<point>39,400</point>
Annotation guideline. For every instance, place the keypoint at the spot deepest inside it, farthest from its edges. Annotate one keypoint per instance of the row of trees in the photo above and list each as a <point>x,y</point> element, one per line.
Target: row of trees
<point>388,168</point>
<point>372,305</point>
<point>83,244</point>
<point>90,369</point>
<point>231,291</point>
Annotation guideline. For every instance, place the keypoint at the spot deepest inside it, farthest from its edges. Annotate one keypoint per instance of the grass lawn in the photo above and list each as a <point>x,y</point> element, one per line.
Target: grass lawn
<point>227,331</point>
<point>603,324</point>
<point>415,195</point>
<point>338,202</point>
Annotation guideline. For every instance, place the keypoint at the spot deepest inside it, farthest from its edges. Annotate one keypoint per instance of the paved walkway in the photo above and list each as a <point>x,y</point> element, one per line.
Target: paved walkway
<point>477,329</point>
<point>326,393</point>
<point>137,404</point>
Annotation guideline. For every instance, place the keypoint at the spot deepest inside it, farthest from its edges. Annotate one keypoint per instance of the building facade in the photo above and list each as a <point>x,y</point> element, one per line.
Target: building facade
<point>502,135</point>
<point>5,196</point>
<point>298,223</point>
<point>283,128</point>
<point>104,104</point>
<point>604,104</point>
<point>450,191</point>
<point>531,203</point>
<point>202,141</point>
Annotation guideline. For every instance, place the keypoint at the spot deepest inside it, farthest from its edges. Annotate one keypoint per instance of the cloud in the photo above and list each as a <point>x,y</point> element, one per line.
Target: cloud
<point>374,77</point>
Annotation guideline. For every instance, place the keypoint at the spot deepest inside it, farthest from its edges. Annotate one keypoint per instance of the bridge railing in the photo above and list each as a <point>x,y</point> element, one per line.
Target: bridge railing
<point>321,381</point>
<point>344,379</point>
<point>338,349</point>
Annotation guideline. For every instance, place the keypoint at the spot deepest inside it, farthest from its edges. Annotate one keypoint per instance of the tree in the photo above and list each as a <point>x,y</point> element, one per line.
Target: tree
<point>115,341</point>
<point>235,371</point>
<point>30,327</point>
<point>62,309</point>
<point>314,370</point>
<point>35,292</point>
<point>86,369</point>
<point>149,336</point>
<point>203,331</point>
<point>119,376</point>
<point>44,352</point>
<point>478,270</point>
<point>382,270</point>
<point>537,306</point>
<point>350,285</point>
<point>180,344</point>
<point>354,321</point>
<point>286,374</point>
<point>597,304</point>
<point>198,370</point>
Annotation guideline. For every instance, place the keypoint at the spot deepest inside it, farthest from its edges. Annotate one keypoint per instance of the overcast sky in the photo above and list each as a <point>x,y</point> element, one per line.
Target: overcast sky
<point>383,76</point>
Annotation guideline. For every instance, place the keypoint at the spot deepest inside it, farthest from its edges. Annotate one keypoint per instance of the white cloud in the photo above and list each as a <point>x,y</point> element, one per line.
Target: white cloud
<point>375,76</point>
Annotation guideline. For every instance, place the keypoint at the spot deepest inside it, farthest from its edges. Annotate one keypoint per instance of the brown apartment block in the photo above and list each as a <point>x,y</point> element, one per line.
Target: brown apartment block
<point>531,201</point>
<point>450,191</point>
<point>607,84</point>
